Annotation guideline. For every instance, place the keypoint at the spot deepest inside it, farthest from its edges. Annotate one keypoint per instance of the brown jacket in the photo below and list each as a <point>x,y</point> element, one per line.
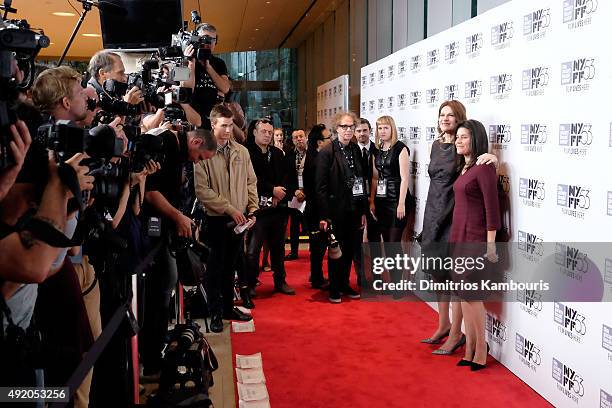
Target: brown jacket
<point>221,190</point>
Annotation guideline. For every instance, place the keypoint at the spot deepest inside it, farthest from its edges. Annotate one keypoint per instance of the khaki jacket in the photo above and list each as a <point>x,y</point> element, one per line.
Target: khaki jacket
<point>221,190</point>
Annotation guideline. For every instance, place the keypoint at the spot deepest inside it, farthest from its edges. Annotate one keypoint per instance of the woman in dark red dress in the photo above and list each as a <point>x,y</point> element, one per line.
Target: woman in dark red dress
<point>476,219</point>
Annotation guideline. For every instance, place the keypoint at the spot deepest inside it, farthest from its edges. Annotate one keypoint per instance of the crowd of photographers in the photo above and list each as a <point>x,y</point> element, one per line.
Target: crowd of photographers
<point>97,183</point>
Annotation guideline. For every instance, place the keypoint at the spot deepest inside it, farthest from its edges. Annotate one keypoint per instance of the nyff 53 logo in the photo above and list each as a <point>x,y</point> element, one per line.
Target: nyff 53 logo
<point>530,243</point>
<point>415,98</point>
<point>381,104</point>
<point>535,80</point>
<point>433,57</point>
<point>414,134</point>
<point>501,34</point>
<point>401,133</point>
<point>577,13</point>
<point>372,78</point>
<point>390,102</point>
<point>497,329</point>
<point>473,90</point>
<point>415,63</point>
<point>430,133</point>
<point>533,134</point>
<point>401,101</point>
<point>569,382</point>
<point>451,51</point>
<point>532,190</point>
<point>432,95</point>
<point>451,92</point>
<point>569,319</point>
<point>535,23</point>
<point>401,67</point>
<point>574,263</point>
<point>529,352</point>
<point>577,75</point>
<point>575,134</point>
<point>574,200</point>
<point>500,135</point>
<point>390,71</point>
<point>381,75</point>
<point>501,85</point>
<point>473,44</point>
<point>531,301</point>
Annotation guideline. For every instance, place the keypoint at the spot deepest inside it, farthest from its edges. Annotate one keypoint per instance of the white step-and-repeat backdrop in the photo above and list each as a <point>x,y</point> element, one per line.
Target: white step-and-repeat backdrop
<point>538,74</point>
<point>332,97</point>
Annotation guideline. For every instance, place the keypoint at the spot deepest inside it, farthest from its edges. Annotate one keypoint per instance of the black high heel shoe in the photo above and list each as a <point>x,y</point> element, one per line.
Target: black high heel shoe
<point>436,340</point>
<point>477,367</point>
<point>464,363</point>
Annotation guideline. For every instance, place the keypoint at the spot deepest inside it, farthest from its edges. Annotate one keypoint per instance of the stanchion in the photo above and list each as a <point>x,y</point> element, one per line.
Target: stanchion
<point>134,343</point>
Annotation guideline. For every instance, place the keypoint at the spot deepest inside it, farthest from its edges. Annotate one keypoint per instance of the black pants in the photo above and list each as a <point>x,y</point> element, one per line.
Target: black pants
<point>318,246</point>
<point>373,235</point>
<point>160,281</point>
<point>297,219</point>
<point>270,227</point>
<point>346,226</point>
<point>225,247</point>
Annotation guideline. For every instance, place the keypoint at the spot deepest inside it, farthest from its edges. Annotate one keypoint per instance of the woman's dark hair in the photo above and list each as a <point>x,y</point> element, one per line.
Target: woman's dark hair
<point>316,134</point>
<point>479,142</point>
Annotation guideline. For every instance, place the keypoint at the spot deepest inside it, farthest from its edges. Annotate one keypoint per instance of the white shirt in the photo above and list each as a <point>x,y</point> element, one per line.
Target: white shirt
<point>367,146</point>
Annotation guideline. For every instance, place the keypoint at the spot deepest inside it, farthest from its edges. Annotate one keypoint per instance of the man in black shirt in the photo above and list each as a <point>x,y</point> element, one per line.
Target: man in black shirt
<point>208,77</point>
<point>162,194</point>
<point>276,183</point>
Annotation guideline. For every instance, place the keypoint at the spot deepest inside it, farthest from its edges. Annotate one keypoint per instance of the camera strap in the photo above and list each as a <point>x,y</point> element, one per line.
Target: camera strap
<point>69,178</point>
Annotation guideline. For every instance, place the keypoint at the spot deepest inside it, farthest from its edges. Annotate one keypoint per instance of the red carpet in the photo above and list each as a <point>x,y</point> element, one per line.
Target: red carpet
<point>363,354</point>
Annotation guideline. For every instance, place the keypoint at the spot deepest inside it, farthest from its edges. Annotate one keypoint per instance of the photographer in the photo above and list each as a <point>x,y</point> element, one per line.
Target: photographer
<point>161,198</point>
<point>208,77</point>
<point>108,65</point>
<point>58,93</point>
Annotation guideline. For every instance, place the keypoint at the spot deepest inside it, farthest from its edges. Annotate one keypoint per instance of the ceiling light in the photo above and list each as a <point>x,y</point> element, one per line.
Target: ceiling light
<point>257,29</point>
<point>63,14</point>
<point>267,2</point>
<point>91,35</point>
<point>261,18</point>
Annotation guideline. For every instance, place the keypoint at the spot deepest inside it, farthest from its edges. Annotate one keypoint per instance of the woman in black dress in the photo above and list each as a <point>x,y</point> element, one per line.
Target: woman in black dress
<point>390,198</point>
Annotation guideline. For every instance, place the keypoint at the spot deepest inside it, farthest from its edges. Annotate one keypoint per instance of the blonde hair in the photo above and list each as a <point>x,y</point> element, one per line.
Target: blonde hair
<point>386,120</point>
<point>52,85</point>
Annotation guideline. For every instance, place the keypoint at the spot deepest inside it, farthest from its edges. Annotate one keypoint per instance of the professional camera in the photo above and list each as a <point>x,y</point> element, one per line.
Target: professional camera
<point>111,102</point>
<point>333,246</point>
<point>187,358</point>
<point>21,44</point>
<point>66,140</point>
<point>145,147</point>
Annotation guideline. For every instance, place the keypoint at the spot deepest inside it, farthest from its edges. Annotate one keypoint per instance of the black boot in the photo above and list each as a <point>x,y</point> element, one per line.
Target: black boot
<point>216,324</point>
<point>245,295</point>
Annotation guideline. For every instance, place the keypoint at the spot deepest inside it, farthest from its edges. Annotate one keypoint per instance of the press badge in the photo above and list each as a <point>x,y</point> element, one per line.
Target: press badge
<point>154,227</point>
<point>300,182</point>
<point>358,187</point>
<point>381,188</point>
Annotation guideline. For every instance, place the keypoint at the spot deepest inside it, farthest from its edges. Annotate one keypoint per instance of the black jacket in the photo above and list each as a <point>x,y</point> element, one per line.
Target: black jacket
<point>333,187</point>
<point>278,172</point>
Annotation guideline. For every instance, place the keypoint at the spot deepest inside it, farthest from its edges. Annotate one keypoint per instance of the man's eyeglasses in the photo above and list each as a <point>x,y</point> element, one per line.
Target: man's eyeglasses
<point>347,127</point>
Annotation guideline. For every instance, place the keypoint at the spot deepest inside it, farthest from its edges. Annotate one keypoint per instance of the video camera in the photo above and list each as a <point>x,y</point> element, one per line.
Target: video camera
<point>18,44</point>
<point>66,140</point>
